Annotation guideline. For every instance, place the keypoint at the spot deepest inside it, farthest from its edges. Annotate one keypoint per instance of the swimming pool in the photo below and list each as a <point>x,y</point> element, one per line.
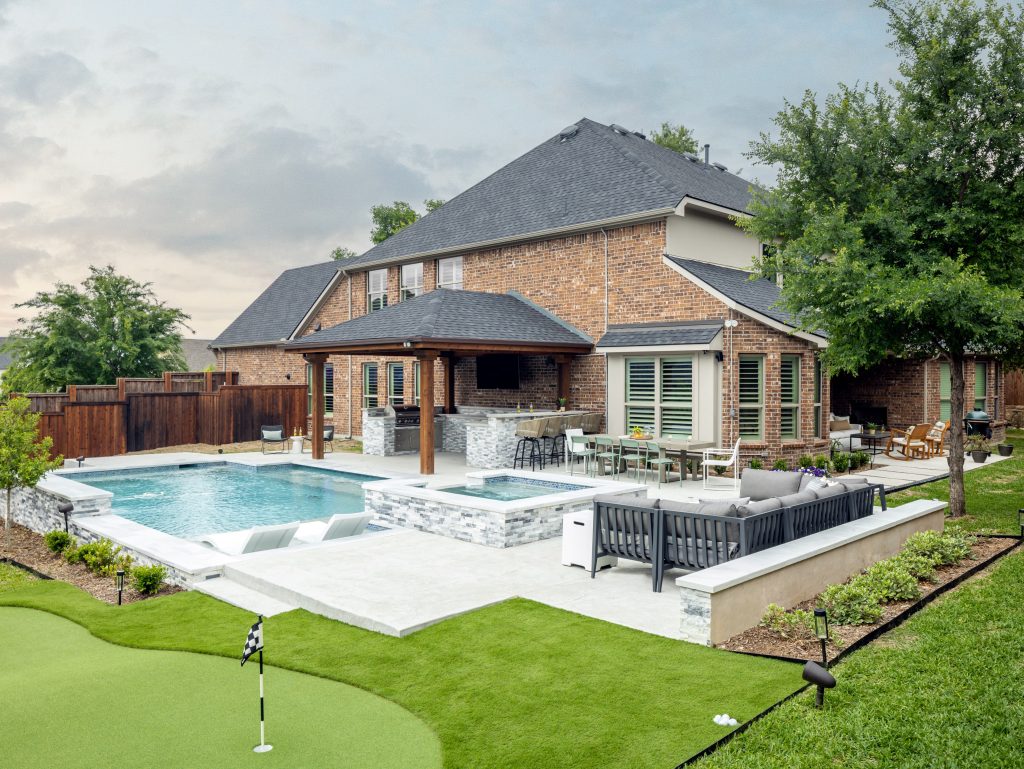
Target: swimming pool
<point>504,488</point>
<point>192,500</point>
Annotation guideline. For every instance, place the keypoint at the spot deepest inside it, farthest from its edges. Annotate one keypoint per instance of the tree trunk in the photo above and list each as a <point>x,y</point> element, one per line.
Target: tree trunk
<point>7,520</point>
<point>957,502</point>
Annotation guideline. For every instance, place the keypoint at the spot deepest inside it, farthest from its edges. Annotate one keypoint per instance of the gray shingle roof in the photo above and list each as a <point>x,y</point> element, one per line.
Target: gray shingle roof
<point>280,308</point>
<point>593,175</point>
<point>198,355</point>
<point>451,315</point>
<point>760,295</point>
<point>651,334</point>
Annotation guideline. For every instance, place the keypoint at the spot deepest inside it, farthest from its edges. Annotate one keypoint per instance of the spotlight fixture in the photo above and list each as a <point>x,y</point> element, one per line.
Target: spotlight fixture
<point>65,508</point>
<point>817,675</point>
<point>80,460</point>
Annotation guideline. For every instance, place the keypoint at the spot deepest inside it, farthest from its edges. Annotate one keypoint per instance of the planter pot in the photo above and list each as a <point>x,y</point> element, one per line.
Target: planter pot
<point>871,431</point>
<point>979,456</point>
<point>1005,449</point>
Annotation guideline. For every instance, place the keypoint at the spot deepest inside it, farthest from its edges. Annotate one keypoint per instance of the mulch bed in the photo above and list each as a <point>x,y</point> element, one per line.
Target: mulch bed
<point>24,546</point>
<point>759,640</point>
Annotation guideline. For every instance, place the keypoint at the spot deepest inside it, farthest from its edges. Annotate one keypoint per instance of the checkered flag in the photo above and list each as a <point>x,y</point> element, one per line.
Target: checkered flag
<point>254,641</point>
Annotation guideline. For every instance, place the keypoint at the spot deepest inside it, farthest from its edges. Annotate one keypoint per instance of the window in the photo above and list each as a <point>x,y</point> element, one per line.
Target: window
<point>817,398</point>
<point>980,385</point>
<point>396,384</point>
<point>328,389</point>
<point>789,388</point>
<point>376,290</point>
<point>412,281</point>
<point>659,395</point>
<point>416,383</point>
<point>369,385</point>
<point>945,390</point>
<point>751,397</point>
<point>449,272</point>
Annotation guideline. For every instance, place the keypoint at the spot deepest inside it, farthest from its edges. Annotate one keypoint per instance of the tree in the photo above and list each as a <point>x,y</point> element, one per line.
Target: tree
<point>24,458</point>
<point>342,252</point>
<point>112,327</point>
<point>677,138</point>
<point>897,215</point>
<point>387,220</point>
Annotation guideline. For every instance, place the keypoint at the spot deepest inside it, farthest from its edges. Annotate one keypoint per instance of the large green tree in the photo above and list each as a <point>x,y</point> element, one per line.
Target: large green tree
<point>898,214</point>
<point>677,138</point>
<point>112,326</point>
<point>387,220</point>
<point>24,457</point>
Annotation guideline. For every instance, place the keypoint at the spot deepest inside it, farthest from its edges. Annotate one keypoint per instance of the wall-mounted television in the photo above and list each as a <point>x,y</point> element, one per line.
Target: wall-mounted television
<point>497,372</point>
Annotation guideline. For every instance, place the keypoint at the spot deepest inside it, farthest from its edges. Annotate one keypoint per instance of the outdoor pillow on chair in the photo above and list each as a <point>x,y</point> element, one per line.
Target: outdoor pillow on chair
<point>273,435</point>
<point>760,506</point>
<point>830,491</point>
<point>765,484</point>
<point>839,425</point>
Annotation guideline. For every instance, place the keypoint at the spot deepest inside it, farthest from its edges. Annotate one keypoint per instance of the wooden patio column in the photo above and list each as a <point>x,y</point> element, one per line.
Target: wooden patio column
<point>564,363</point>
<point>449,384</point>
<point>426,359</point>
<point>316,378</point>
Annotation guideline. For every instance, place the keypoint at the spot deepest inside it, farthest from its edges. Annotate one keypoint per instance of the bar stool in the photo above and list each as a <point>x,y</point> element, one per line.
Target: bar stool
<point>530,433</point>
<point>554,431</point>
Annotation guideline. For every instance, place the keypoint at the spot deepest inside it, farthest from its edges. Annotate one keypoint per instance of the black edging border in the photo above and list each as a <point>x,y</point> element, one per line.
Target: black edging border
<point>24,567</point>
<point>882,629</point>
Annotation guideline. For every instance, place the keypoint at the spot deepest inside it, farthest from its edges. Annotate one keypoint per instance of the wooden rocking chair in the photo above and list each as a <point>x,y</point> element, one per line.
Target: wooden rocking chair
<point>936,438</point>
<point>910,443</point>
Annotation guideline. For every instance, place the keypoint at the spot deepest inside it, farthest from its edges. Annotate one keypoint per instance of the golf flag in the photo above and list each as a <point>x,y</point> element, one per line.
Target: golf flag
<point>254,641</point>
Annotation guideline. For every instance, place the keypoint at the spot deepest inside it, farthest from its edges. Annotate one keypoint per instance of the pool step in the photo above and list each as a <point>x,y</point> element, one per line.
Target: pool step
<point>237,594</point>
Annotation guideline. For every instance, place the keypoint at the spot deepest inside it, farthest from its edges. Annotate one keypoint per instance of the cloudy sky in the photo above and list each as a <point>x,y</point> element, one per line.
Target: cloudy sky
<point>206,146</point>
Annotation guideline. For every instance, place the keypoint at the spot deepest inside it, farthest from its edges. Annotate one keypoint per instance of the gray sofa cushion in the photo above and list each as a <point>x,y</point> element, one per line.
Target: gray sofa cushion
<point>674,506</point>
<point>621,500</point>
<point>765,484</point>
<point>760,506</point>
<point>738,501</point>
<point>805,481</point>
<point>829,491</point>
<point>798,499</point>
<point>717,508</point>
<point>854,480</point>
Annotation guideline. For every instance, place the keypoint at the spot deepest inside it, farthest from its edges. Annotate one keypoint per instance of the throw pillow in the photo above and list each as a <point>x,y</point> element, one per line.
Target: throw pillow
<point>273,435</point>
<point>839,425</point>
<point>760,506</point>
<point>798,499</point>
<point>738,501</point>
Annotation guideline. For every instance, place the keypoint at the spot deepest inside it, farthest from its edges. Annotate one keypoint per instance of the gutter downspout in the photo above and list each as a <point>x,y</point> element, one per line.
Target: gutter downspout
<point>348,278</point>
<point>603,232</point>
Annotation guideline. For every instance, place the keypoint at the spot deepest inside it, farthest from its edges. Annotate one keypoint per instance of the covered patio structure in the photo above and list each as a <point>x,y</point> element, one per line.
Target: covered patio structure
<point>443,324</point>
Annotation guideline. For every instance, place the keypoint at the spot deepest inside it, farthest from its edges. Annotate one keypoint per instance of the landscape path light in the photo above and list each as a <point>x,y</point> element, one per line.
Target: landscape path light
<point>821,630</point>
<point>120,585</point>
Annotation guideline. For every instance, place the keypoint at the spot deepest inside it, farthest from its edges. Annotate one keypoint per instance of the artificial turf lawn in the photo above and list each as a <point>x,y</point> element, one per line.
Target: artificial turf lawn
<point>11,577</point>
<point>515,685</point>
<point>85,703</point>
<point>946,689</point>
<point>993,493</point>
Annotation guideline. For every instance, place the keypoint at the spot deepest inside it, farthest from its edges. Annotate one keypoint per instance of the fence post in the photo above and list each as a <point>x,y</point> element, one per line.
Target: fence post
<point>208,382</point>
<point>168,384</point>
<point>120,388</point>
<point>73,393</point>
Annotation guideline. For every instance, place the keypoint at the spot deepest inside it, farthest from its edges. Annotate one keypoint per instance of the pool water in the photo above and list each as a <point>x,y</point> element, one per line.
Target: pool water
<point>508,489</point>
<point>192,500</point>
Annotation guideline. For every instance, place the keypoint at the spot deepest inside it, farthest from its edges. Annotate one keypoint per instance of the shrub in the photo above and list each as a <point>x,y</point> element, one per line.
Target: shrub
<point>73,554</point>
<point>780,464</point>
<point>100,557</point>
<point>821,462</point>
<point>841,461</point>
<point>890,580</point>
<point>918,565</point>
<point>941,548</point>
<point>58,541</point>
<point>852,603</point>
<point>805,460</point>
<point>862,458</point>
<point>147,579</point>
<point>756,464</point>
<point>789,624</point>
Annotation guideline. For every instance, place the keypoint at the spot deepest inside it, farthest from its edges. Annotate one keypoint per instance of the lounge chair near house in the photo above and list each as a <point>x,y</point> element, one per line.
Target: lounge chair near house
<point>909,444</point>
<point>252,540</point>
<point>338,526</point>
<point>328,438</point>
<point>936,438</point>
<point>273,435</point>
<point>724,458</point>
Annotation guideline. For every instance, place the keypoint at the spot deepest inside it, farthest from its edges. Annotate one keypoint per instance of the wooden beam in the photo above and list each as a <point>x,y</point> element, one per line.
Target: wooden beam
<point>426,359</point>
<point>317,385</point>
<point>449,384</point>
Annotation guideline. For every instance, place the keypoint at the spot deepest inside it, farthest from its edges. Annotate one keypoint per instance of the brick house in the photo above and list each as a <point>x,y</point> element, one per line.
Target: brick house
<point>631,246</point>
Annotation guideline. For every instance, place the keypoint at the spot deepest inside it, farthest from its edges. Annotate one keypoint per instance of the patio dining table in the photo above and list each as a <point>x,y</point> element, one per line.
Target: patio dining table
<point>667,447</point>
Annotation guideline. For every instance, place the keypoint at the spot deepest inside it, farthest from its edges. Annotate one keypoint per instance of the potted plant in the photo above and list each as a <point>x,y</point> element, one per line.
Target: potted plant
<point>561,404</point>
<point>978,448</point>
<point>637,432</point>
<point>872,428</point>
<point>1005,449</point>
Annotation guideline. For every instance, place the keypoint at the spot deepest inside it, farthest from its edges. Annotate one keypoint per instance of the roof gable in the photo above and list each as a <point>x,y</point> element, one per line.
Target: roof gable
<point>278,311</point>
<point>595,174</point>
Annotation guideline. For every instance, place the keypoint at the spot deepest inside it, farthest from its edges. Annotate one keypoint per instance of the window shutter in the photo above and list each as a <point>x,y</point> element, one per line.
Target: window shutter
<point>639,380</point>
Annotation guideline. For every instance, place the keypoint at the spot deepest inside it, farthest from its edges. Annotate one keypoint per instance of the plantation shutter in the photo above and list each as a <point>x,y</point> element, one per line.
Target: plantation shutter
<point>640,391</point>
<point>677,397</point>
<point>945,391</point>
<point>980,385</point>
<point>789,387</point>
<point>751,386</point>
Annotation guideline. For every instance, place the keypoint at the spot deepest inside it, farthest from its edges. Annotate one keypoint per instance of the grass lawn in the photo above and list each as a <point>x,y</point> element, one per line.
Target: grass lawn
<point>944,690</point>
<point>513,685</point>
<point>993,493</point>
<point>12,577</point>
<point>86,703</point>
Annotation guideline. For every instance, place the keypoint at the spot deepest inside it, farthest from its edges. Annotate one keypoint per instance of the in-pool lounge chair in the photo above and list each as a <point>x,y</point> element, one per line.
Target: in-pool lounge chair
<point>338,526</point>
<point>253,540</point>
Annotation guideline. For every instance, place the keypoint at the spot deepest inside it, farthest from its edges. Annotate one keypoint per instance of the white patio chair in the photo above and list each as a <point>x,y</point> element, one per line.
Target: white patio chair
<point>338,526</point>
<point>252,540</point>
<point>732,461</point>
<point>576,446</point>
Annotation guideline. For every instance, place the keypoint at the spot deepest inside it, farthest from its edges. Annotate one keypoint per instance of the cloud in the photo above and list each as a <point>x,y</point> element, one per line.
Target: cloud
<point>44,79</point>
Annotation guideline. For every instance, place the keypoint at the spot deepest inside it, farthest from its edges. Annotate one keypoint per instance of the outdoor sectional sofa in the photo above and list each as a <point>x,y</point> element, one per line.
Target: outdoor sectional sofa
<point>773,507</point>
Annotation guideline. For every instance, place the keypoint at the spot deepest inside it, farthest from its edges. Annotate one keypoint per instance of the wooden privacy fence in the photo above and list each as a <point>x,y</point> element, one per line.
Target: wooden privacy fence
<point>188,408</point>
<point>1014,388</point>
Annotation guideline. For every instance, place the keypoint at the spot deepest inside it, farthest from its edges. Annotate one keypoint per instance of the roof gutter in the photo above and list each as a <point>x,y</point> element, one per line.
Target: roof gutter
<point>597,224</point>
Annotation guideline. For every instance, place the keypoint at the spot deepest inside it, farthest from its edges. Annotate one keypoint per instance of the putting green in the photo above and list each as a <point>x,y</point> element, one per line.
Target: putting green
<point>68,699</point>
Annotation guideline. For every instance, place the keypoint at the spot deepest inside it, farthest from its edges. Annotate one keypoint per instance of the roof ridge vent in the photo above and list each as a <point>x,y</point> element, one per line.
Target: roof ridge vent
<point>720,167</point>
<point>620,130</point>
<point>568,132</point>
